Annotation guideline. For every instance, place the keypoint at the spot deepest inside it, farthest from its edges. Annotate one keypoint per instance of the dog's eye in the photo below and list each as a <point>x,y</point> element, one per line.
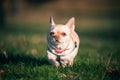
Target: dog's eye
<point>63,34</point>
<point>52,33</point>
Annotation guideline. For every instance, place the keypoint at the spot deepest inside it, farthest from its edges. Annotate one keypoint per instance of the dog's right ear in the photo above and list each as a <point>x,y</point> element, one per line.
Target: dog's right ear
<point>52,21</point>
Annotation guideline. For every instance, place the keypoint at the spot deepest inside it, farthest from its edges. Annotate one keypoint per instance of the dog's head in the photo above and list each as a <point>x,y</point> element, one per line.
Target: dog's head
<point>60,34</point>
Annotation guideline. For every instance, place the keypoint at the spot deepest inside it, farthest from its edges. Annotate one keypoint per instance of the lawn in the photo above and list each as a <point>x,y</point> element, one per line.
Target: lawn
<point>23,55</point>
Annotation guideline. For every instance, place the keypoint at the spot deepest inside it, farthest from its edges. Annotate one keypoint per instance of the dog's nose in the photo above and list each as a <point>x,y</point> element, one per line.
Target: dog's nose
<point>57,38</point>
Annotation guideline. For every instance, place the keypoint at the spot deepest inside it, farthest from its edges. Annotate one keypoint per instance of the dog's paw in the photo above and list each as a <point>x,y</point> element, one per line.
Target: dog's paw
<point>63,64</point>
<point>70,63</point>
<point>57,64</point>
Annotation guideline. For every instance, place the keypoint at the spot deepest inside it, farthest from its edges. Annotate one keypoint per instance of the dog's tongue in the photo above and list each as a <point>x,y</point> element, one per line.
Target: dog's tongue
<point>59,51</point>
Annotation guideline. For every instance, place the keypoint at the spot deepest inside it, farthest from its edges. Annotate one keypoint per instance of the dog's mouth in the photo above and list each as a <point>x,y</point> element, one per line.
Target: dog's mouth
<point>59,51</point>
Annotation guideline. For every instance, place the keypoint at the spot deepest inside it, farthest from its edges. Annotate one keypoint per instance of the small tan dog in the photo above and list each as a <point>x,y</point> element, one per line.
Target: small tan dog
<point>62,43</point>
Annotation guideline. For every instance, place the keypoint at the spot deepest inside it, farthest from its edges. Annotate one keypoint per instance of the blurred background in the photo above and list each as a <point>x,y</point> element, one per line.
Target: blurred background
<point>92,12</point>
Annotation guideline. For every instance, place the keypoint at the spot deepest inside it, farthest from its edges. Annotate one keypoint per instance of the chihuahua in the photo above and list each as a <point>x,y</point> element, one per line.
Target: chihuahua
<point>62,43</point>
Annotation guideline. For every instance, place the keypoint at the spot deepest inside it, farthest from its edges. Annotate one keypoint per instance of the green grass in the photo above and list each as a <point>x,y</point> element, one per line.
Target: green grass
<point>23,55</point>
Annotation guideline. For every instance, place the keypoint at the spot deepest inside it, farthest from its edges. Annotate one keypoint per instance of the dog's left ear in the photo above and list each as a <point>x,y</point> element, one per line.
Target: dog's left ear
<point>71,23</point>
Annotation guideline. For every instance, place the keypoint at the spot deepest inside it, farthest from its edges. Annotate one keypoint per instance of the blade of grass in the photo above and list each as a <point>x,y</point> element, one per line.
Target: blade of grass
<point>107,64</point>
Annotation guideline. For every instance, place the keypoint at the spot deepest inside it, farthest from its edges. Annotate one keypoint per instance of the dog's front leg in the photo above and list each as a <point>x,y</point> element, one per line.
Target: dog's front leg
<point>53,59</point>
<point>63,63</point>
<point>64,60</point>
<point>67,60</point>
<point>54,62</point>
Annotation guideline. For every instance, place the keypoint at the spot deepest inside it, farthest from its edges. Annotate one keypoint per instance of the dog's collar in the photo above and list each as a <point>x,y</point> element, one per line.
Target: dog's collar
<point>59,52</point>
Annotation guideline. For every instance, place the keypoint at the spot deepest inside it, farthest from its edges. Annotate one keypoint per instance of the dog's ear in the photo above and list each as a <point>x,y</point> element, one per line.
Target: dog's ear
<point>71,23</point>
<point>52,21</point>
